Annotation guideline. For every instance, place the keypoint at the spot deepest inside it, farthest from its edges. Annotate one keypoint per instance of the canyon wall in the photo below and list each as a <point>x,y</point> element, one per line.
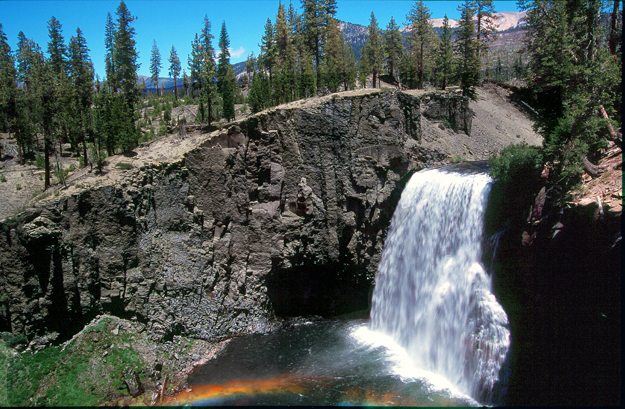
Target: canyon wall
<point>281,214</point>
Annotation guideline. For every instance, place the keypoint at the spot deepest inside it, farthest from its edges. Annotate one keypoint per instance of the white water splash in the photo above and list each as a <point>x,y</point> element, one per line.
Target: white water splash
<point>432,295</point>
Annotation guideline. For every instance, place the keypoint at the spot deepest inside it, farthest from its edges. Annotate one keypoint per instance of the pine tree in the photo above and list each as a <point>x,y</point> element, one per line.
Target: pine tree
<point>267,46</point>
<point>373,51</point>
<point>44,94</point>
<point>174,68</point>
<point>312,28</point>
<point>209,69</point>
<point>120,43</point>
<point>421,38</point>
<point>574,76</point>
<point>285,57</point>
<point>27,57</point>
<point>155,65</point>
<point>195,66</point>
<point>393,46</point>
<point>59,65</point>
<point>331,65</point>
<point>467,47</point>
<point>202,65</point>
<point>255,95</point>
<point>250,66</point>
<point>81,78</point>
<point>125,54</point>
<point>349,67</point>
<point>109,41</point>
<point>316,25</point>
<point>485,25</point>
<point>185,83</point>
<point>445,55</point>
<point>298,40</point>
<point>224,81</point>
<point>56,48</point>
<point>8,91</point>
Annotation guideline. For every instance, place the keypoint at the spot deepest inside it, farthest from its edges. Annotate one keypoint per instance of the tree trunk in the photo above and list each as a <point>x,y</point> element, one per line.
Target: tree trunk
<point>604,114</point>
<point>84,147</point>
<point>592,170</point>
<point>175,88</point>
<point>46,150</point>
<point>183,131</point>
<point>614,32</point>
<point>20,148</point>
<point>209,106</point>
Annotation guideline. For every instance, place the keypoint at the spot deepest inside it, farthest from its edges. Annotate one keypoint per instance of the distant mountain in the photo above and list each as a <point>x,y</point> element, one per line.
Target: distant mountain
<point>355,35</point>
<point>239,68</point>
<point>166,83</point>
<point>505,19</point>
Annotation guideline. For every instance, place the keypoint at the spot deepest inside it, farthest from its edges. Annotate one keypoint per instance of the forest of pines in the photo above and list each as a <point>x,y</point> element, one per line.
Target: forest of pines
<point>571,66</point>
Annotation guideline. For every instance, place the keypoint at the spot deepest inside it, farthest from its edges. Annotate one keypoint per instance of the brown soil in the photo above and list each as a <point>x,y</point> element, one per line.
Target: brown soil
<point>607,188</point>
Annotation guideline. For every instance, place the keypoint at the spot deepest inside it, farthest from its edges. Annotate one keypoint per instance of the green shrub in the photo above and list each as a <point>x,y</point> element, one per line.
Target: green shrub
<point>18,187</point>
<point>167,113</point>
<point>62,175</point>
<point>40,162</point>
<point>14,339</point>
<point>3,178</point>
<point>516,163</point>
<point>162,130</point>
<point>516,170</point>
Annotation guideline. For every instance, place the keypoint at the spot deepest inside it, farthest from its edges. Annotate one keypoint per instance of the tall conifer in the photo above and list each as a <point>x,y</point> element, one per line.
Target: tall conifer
<point>467,49</point>
<point>421,38</point>
<point>174,68</point>
<point>445,55</point>
<point>155,65</point>
<point>8,91</point>
<point>393,46</point>
<point>109,41</point>
<point>224,81</point>
<point>485,26</point>
<point>373,50</point>
<point>81,78</point>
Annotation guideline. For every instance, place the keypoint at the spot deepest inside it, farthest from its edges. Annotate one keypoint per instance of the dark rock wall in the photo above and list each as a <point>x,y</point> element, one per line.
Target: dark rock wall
<point>282,214</point>
<point>561,290</point>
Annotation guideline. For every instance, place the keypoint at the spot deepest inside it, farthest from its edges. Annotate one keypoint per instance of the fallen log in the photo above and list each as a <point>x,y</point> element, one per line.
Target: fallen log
<point>604,114</point>
<point>592,170</point>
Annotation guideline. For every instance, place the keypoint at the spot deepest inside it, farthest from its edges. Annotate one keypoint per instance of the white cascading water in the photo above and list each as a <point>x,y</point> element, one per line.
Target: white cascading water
<point>432,294</point>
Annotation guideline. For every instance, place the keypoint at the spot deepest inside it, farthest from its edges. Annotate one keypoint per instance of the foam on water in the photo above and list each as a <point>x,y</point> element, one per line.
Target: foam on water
<point>402,364</point>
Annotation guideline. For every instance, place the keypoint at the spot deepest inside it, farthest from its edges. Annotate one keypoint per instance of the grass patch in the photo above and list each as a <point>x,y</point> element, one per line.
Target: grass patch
<point>457,159</point>
<point>80,375</point>
<point>123,165</point>
<point>38,195</point>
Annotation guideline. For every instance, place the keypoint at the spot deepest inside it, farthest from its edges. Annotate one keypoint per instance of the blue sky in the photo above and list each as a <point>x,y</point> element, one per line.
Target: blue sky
<point>175,23</point>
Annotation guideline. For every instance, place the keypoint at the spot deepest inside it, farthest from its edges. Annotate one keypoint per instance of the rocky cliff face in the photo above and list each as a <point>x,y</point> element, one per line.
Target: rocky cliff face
<point>282,214</point>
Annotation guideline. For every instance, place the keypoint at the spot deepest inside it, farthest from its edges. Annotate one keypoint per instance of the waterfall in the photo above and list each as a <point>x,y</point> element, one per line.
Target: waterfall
<point>432,294</point>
